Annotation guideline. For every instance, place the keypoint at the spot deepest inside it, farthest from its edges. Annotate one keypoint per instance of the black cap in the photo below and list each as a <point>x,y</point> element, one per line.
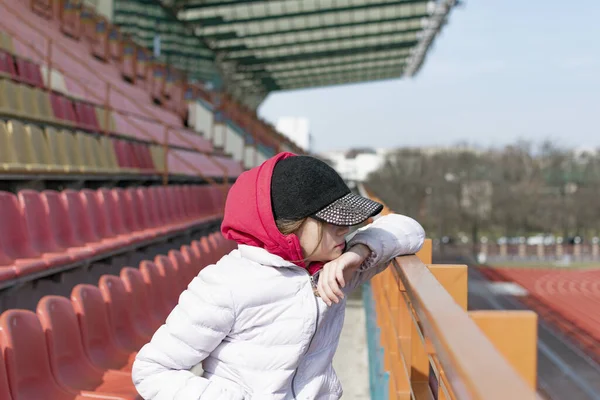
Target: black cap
<point>304,186</point>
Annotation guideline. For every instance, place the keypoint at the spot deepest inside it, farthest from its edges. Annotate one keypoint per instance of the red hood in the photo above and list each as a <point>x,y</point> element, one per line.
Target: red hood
<point>249,217</point>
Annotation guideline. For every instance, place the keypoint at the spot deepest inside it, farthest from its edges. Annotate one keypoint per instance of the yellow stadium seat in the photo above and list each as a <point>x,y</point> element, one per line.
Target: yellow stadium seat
<point>6,161</point>
<point>11,102</point>
<point>68,144</point>
<point>101,116</point>
<point>23,154</point>
<point>43,106</point>
<point>158,156</point>
<point>109,151</point>
<point>58,155</point>
<point>40,150</point>
<point>6,42</point>
<point>96,151</point>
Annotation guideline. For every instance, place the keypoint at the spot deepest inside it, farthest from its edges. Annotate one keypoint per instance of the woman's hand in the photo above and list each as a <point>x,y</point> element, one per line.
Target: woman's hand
<point>336,273</point>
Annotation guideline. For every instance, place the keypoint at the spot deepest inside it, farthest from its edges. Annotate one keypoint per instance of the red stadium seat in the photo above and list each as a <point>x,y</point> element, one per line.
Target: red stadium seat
<point>137,210</point>
<point>122,325</point>
<point>98,341</point>
<point>146,319</point>
<point>7,64</point>
<point>63,107</point>
<point>83,219</point>
<point>29,72</point>
<point>86,115</point>
<point>68,361</point>
<point>4,389</point>
<point>173,282</point>
<point>115,225</point>
<point>99,214</point>
<point>158,292</point>
<point>14,239</point>
<point>27,362</point>
<point>129,215</point>
<point>61,226</point>
<point>182,269</point>
<point>41,236</point>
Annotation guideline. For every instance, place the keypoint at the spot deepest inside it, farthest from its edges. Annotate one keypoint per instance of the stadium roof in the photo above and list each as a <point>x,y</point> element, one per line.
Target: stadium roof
<point>262,46</point>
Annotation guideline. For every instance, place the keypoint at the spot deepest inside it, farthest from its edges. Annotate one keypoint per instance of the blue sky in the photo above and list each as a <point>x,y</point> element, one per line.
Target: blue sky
<point>500,71</point>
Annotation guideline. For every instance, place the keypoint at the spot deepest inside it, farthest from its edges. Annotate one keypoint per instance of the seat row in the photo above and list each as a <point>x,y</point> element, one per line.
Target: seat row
<point>28,148</point>
<point>84,347</point>
<point>29,100</point>
<point>42,231</point>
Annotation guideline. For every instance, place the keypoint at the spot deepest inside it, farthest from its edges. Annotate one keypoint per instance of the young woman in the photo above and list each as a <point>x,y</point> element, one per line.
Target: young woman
<point>265,321</point>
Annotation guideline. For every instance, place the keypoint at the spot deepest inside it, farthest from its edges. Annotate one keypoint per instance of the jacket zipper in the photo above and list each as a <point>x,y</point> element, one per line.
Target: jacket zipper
<point>313,286</point>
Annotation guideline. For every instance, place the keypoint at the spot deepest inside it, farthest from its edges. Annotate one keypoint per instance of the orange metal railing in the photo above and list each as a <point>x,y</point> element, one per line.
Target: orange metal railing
<point>433,348</point>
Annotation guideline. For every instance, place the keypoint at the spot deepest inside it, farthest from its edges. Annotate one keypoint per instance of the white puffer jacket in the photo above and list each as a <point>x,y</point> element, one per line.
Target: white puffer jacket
<point>255,323</point>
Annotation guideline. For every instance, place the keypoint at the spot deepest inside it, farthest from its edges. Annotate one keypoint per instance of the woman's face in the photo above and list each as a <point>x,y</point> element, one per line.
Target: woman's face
<point>331,246</point>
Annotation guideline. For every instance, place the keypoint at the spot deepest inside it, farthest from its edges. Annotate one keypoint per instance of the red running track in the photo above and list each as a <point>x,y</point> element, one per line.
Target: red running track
<point>568,298</point>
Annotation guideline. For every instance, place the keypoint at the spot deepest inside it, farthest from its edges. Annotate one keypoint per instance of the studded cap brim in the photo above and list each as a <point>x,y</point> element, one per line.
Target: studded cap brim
<point>349,210</point>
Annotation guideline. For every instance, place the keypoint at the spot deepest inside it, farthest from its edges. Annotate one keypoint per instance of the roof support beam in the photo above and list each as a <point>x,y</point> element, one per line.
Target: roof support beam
<point>341,79</point>
<point>233,49</point>
<point>275,72</point>
<point>397,66</point>
<point>215,21</point>
<point>233,35</point>
<point>252,60</point>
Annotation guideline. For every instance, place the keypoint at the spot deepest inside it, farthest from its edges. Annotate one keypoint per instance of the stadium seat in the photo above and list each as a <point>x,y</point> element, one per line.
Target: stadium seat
<point>110,157</point>
<point>146,319</point>
<point>29,72</point>
<point>173,282</point>
<point>86,116</point>
<point>63,108</point>
<point>158,157</point>
<point>98,341</point>
<point>58,154</point>
<point>81,214</point>
<point>4,389</point>
<point>27,362</point>
<point>10,98</point>
<point>7,65</point>
<point>71,148</point>
<point>14,239</point>
<point>43,107</point>
<point>194,263</point>
<point>118,301</point>
<point>131,217</point>
<point>6,43</point>
<point>138,214</point>
<point>159,294</point>
<point>37,220</point>
<point>182,269</point>
<point>21,150</point>
<point>62,226</point>
<point>41,151</point>
<point>68,361</point>
<point>110,210</point>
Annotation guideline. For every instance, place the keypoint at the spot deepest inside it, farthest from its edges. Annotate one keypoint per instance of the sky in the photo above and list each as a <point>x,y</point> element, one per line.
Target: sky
<point>500,71</point>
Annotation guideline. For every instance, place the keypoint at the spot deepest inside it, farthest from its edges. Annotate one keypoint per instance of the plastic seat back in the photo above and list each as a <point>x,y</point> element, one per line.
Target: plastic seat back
<point>65,348</point>
<point>26,357</point>
<point>57,155</point>
<point>144,317</point>
<point>61,223</point>
<point>11,97</point>
<point>158,293</point>
<point>182,268</point>
<point>109,151</point>
<point>4,389</point>
<point>21,144</point>
<point>98,216</point>
<point>118,304</point>
<point>173,283</point>
<point>38,222</point>
<point>98,341</point>
<point>39,146</point>
<point>80,216</point>
<point>43,105</point>
<point>14,237</point>
<point>112,210</point>
<point>136,210</point>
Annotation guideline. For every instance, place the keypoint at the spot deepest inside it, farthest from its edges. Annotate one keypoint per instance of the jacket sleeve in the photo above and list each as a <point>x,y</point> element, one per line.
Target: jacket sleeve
<point>195,327</point>
<point>387,237</point>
